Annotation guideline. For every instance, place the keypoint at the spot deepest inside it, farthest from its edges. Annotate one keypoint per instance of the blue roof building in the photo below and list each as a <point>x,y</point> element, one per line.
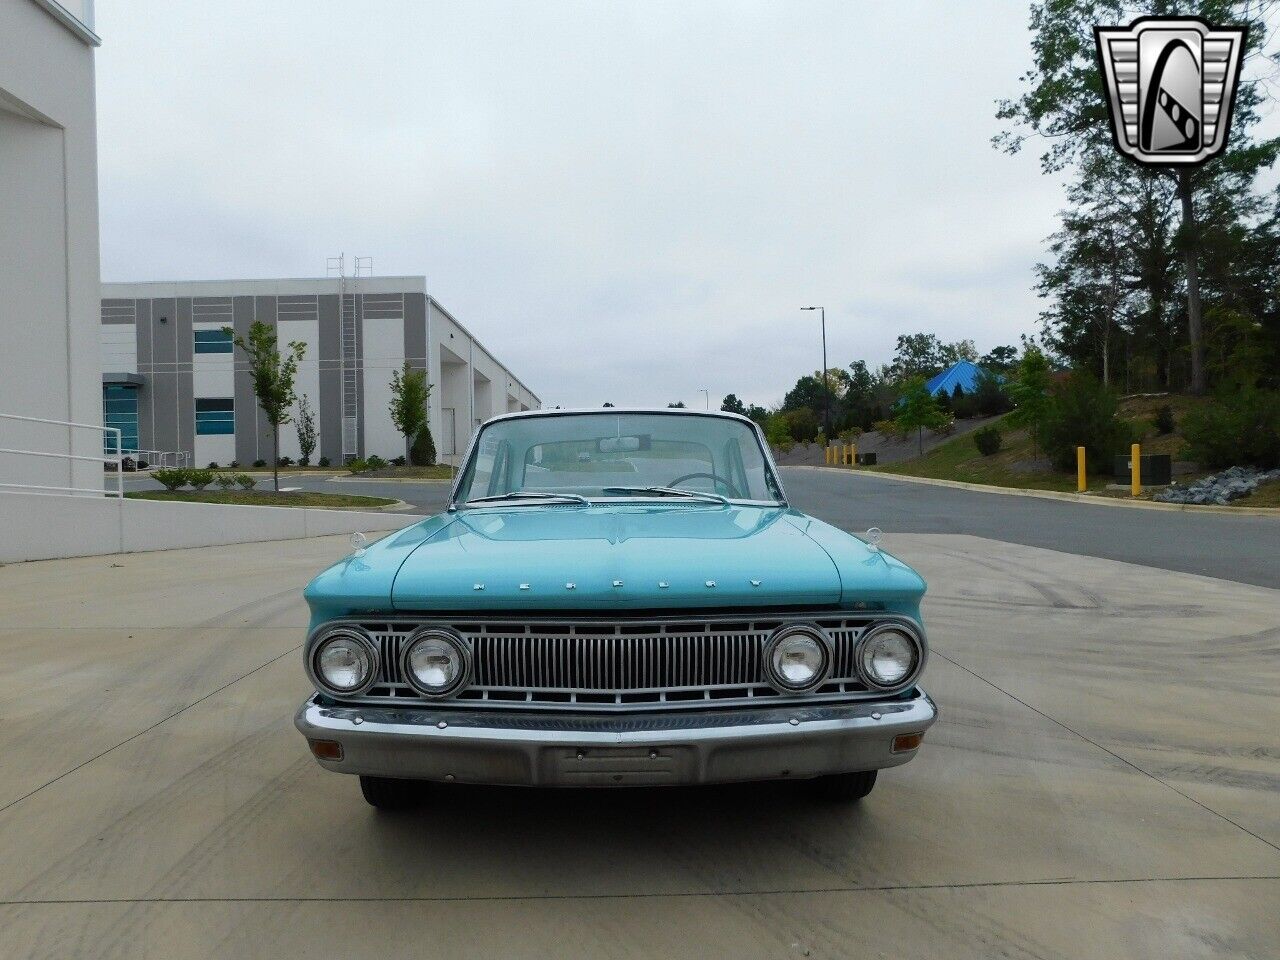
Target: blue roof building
<point>964,372</point>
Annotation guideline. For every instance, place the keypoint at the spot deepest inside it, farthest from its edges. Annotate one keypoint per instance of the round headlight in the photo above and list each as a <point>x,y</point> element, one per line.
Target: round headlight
<point>344,662</point>
<point>797,658</point>
<point>435,663</point>
<point>888,657</point>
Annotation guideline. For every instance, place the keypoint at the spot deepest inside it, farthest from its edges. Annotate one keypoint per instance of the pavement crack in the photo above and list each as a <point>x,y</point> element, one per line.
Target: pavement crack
<point>666,895</point>
<point>1089,740</point>
<point>148,729</point>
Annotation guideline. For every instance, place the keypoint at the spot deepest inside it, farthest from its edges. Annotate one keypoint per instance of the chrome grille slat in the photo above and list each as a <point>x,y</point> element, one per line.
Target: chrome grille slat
<point>598,663</point>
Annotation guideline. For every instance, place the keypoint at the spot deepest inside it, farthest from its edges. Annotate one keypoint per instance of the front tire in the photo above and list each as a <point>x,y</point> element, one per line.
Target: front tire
<point>387,793</point>
<point>845,787</point>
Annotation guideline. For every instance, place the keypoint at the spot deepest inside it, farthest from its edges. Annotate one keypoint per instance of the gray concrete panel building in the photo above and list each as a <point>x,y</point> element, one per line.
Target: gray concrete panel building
<point>171,380</point>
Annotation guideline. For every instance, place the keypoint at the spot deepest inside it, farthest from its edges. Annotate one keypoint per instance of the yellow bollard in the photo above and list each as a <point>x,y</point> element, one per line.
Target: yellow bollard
<point>853,459</point>
<point>1082,482</point>
<point>1135,470</point>
<point>826,454</point>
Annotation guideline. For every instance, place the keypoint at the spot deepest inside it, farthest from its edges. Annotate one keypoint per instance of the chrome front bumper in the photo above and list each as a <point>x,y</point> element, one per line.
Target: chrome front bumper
<point>606,750</point>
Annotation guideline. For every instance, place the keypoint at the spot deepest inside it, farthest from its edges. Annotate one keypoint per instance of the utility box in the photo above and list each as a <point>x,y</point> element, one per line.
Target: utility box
<point>1157,469</point>
<point>867,459</point>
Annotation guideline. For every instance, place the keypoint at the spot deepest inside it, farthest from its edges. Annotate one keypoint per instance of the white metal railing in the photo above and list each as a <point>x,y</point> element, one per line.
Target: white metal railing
<point>157,458</point>
<point>105,459</point>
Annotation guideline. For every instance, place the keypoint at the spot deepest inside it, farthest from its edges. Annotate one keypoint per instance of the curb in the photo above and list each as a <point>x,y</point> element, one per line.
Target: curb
<point>1273,512</point>
<point>342,479</point>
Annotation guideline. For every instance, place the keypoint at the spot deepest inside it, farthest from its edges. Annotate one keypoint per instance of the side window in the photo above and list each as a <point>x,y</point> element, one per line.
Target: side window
<point>215,415</point>
<point>212,341</point>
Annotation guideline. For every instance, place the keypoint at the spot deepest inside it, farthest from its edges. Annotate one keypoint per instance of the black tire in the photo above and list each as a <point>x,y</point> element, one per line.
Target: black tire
<point>845,787</point>
<point>386,793</point>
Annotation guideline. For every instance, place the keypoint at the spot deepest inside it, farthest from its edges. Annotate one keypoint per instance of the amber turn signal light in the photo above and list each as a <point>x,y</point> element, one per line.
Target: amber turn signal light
<point>901,743</point>
<point>332,749</point>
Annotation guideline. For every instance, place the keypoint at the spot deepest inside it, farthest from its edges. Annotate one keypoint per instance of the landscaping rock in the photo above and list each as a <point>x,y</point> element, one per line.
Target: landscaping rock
<point>1220,488</point>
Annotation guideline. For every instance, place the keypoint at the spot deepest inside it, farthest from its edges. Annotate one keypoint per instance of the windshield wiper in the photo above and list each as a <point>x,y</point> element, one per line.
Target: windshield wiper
<point>527,495</point>
<point>669,492</point>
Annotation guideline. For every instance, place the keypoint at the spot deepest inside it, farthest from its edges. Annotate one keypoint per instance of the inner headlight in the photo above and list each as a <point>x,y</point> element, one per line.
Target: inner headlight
<point>435,663</point>
<point>797,658</point>
<point>888,657</point>
<point>344,662</point>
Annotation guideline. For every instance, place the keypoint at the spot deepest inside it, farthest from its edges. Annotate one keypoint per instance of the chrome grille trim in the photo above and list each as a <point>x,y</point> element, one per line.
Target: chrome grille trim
<point>611,663</point>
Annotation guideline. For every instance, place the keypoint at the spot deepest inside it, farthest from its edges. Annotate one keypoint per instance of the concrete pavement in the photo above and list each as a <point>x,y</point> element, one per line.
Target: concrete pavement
<point>1101,783</point>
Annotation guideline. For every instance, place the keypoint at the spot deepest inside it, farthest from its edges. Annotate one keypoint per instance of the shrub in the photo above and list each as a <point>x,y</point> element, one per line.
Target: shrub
<point>225,481</point>
<point>199,478</point>
<point>850,434</point>
<point>214,466</point>
<point>1240,428</point>
<point>322,462</point>
<point>304,461</point>
<point>423,451</point>
<point>889,428</point>
<point>246,482</point>
<point>376,462</point>
<point>357,465</point>
<point>141,465</point>
<point>398,461</point>
<point>1081,412</point>
<point>988,440</point>
<point>990,396</point>
<point>1163,420</point>
<point>284,461</point>
<point>965,406</point>
<point>234,464</point>
<point>259,463</point>
<point>171,479</point>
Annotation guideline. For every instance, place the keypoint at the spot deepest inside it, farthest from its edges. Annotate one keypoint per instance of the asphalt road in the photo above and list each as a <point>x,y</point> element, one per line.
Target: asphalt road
<point>1245,549</point>
<point>1100,783</point>
<point>1241,548</point>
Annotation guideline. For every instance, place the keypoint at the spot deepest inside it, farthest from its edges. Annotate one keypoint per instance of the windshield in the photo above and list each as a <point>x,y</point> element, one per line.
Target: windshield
<point>607,455</point>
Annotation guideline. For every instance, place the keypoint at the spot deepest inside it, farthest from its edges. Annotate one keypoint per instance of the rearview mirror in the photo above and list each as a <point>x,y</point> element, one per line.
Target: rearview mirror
<point>622,444</point>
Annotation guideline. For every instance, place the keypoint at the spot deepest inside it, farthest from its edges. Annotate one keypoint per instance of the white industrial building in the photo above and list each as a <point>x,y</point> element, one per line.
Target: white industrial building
<point>172,380</point>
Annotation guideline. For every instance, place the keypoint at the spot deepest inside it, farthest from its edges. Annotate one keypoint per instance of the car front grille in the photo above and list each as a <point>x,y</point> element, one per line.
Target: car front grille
<point>585,663</point>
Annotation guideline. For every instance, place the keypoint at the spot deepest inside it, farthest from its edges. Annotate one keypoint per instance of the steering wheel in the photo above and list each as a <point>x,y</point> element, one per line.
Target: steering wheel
<point>715,477</point>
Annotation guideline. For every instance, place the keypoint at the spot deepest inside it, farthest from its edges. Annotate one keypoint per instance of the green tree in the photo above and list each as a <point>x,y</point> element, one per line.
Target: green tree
<point>273,374</point>
<point>731,404</point>
<point>1064,106</point>
<point>306,427</point>
<point>999,359</point>
<point>678,405</point>
<point>1030,394</point>
<point>918,409</point>
<point>409,395</point>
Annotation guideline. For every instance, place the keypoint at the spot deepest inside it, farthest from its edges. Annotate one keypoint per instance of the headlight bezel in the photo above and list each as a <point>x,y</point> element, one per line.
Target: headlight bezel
<point>455,640</point>
<point>785,632</point>
<point>326,636</point>
<point>914,637</point>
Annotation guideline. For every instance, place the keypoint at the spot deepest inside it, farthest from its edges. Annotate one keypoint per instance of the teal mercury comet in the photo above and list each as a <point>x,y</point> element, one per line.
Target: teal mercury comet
<point>616,598</point>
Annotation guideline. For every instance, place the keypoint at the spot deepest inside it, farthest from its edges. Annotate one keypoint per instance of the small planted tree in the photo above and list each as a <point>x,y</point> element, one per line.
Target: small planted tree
<point>306,424</point>
<point>409,395</point>
<point>273,375</point>
<point>1030,393</point>
<point>423,451</point>
<point>918,409</point>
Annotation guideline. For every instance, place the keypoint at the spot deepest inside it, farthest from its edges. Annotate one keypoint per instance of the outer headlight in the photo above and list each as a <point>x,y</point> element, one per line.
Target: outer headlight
<point>435,662</point>
<point>888,656</point>
<point>797,658</point>
<point>344,662</point>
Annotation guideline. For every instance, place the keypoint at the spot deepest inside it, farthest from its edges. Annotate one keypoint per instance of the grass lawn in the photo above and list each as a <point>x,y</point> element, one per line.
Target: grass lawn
<point>1267,495</point>
<point>263,498</point>
<point>958,459</point>
<point>440,471</point>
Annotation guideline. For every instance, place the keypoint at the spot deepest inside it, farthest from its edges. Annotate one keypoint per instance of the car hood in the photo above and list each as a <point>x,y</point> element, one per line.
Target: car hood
<point>638,555</point>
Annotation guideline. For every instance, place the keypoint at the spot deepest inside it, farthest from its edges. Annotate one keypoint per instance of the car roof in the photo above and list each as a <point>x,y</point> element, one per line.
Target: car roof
<point>578,411</point>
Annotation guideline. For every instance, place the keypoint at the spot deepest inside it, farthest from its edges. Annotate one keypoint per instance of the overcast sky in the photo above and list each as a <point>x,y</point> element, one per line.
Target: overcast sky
<point>625,201</point>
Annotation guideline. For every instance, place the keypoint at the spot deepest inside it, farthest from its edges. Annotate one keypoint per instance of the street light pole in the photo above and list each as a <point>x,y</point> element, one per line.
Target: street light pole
<point>707,394</point>
<point>826,386</point>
